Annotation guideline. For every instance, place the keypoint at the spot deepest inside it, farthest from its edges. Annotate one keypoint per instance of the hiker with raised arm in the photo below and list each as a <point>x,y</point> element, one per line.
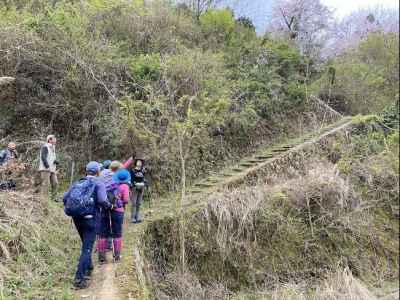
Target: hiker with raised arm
<point>8,155</point>
<point>83,203</point>
<point>111,222</point>
<point>48,168</point>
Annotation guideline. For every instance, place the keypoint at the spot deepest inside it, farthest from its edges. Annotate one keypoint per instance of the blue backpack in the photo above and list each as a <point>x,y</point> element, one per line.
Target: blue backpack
<point>79,200</point>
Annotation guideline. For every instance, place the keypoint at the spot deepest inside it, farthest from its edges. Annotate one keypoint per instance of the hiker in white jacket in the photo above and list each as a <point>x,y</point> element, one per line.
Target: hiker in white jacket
<point>48,168</point>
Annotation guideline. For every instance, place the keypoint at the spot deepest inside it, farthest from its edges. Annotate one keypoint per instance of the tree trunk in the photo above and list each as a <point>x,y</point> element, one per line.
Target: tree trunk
<point>180,208</point>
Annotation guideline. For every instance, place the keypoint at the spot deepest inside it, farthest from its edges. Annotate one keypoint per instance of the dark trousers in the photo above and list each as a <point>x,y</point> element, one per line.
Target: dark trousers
<point>136,199</point>
<point>87,232</point>
<point>111,224</point>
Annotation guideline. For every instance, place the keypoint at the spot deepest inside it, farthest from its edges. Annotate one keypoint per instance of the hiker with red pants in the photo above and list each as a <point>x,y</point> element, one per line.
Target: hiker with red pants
<point>112,222</point>
<point>83,202</point>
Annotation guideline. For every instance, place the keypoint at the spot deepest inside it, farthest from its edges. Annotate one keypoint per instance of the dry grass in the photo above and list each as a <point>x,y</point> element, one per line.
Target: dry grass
<point>343,286</point>
<point>37,251</point>
<point>287,235</point>
<point>340,285</point>
<point>188,287</point>
<point>284,237</point>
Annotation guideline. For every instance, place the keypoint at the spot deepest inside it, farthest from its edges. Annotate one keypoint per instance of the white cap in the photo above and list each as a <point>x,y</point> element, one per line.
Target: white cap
<point>50,137</point>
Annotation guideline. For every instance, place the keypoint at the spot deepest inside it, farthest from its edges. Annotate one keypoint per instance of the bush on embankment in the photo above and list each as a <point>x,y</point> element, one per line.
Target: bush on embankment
<point>298,229</point>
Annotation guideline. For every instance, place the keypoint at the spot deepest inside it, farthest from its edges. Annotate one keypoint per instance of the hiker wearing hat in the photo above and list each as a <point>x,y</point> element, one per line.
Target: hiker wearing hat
<point>9,155</point>
<point>83,203</point>
<point>138,184</point>
<point>48,168</point>
<point>111,222</point>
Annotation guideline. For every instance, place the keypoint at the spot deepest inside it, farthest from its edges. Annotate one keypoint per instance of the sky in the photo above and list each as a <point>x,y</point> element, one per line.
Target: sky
<point>345,7</point>
<point>259,10</point>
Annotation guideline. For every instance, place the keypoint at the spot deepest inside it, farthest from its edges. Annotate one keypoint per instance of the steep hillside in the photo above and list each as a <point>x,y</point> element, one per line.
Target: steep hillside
<point>296,222</point>
<point>112,78</point>
<point>258,189</point>
<point>37,250</point>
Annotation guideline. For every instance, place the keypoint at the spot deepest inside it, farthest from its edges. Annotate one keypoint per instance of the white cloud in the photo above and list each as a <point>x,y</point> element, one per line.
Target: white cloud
<point>345,7</point>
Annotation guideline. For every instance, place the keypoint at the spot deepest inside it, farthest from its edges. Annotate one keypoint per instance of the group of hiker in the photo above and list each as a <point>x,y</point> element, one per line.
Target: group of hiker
<point>96,203</point>
<point>47,165</point>
<point>97,206</point>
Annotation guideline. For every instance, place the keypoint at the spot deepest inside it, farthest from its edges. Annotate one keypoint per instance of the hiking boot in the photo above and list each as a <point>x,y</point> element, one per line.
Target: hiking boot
<point>109,245</point>
<point>102,258</point>
<point>133,221</point>
<point>117,256</point>
<point>89,273</point>
<point>139,221</point>
<point>80,284</point>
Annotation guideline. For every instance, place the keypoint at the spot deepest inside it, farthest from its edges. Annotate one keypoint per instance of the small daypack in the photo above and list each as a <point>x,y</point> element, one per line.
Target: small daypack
<point>79,201</point>
<point>114,195</point>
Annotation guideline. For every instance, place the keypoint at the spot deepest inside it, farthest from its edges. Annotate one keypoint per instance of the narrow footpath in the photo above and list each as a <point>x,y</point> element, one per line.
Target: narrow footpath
<point>127,280</point>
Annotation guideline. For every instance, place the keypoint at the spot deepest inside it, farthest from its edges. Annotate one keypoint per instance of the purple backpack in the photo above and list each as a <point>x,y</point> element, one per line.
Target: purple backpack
<point>112,188</point>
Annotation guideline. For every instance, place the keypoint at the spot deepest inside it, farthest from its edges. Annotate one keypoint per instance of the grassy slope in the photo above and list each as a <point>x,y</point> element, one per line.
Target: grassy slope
<point>164,209</point>
<point>38,253</point>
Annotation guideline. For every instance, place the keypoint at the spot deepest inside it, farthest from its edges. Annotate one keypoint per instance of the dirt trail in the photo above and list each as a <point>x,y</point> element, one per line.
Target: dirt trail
<point>103,285</point>
<point>127,278</point>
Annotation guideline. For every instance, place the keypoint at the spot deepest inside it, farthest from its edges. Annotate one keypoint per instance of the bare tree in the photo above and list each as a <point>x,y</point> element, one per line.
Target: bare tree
<point>349,31</point>
<point>201,6</point>
<point>307,22</point>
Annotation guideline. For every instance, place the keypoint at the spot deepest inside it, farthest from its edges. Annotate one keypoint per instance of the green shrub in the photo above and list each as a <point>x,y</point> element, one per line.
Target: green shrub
<point>218,22</point>
<point>146,67</point>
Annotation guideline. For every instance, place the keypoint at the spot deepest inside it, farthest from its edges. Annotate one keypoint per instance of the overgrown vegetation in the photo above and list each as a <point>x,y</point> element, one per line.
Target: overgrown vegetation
<point>37,251</point>
<point>365,79</point>
<point>111,78</point>
<point>300,227</point>
<point>191,88</point>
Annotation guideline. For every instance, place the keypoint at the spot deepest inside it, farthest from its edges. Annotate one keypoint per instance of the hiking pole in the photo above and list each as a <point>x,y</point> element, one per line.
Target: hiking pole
<point>72,172</point>
<point>112,238</point>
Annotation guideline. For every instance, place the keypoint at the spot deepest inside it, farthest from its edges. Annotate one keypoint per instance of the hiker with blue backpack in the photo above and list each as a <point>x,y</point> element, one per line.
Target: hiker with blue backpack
<point>111,222</point>
<point>83,202</point>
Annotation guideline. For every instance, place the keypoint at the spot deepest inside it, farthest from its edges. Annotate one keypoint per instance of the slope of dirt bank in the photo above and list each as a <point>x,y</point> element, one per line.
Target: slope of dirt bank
<point>37,251</point>
<point>346,221</point>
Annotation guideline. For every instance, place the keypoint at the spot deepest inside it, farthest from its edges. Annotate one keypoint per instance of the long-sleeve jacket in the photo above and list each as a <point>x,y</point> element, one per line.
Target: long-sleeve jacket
<point>7,155</point>
<point>138,176</point>
<point>123,191</point>
<point>100,197</point>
